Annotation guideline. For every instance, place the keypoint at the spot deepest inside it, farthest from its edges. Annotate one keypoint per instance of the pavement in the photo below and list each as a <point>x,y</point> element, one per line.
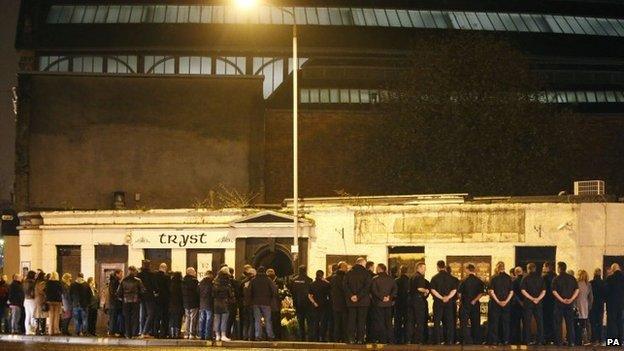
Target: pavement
<point>72,343</point>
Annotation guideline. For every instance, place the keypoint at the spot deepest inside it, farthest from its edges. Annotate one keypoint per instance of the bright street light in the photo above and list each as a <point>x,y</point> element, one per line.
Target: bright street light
<point>245,4</point>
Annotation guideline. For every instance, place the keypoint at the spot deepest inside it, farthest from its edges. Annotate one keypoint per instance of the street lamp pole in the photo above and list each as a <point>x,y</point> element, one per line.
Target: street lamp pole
<point>295,247</point>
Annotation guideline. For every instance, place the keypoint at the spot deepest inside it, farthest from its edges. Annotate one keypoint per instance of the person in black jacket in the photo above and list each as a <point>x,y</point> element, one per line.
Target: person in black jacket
<point>614,288</point>
<point>223,293</point>
<point>148,301</point>
<point>443,289</point>
<point>470,290</point>
<point>233,303</point>
<point>263,293</point>
<point>339,303</point>
<point>596,312</point>
<point>16,303</point>
<point>176,305</point>
<point>416,329</point>
<point>516,310</point>
<point>161,317</point>
<point>548,303</point>
<point>53,296</point>
<point>300,289</point>
<point>565,290</point>
<point>115,319</point>
<point>401,306</point>
<point>501,293</point>
<point>276,304</point>
<point>384,293</point>
<point>205,306</point>
<point>129,292</point>
<point>319,297</point>
<point>190,297</point>
<point>357,284</point>
<point>80,293</point>
<point>533,289</point>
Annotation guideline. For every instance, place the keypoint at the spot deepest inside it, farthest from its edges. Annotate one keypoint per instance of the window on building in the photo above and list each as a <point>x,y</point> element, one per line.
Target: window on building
<point>159,64</point>
<point>408,256</point>
<point>68,260</point>
<point>91,64</point>
<point>195,65</point>
<point>231,65</point>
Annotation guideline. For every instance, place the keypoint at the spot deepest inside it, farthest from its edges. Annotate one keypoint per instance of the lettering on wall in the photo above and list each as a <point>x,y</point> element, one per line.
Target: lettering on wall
<point>181,239</point>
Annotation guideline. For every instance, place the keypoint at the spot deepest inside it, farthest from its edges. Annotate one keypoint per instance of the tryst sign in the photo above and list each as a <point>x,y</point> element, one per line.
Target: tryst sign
<point>181,239</point>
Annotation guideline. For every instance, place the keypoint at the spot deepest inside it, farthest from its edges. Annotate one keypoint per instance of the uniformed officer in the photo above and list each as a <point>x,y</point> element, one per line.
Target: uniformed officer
<point>470,290</point>
<point>565,290</point>
<point>299,287</point>
<point>419,289</point>
<point>443,289</point>
<point>548,303</point>
<point>401,306</point>
<point>533,290</point>
<point>516,308</point>
<point>501,293</point>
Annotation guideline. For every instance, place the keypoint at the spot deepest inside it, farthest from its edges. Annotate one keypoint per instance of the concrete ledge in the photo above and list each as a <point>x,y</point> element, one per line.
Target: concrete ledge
<point>105,341</point>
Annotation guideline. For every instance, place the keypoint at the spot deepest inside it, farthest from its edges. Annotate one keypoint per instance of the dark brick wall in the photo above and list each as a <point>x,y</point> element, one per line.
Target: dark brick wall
<point>334,153</point>
<point>172,139</point>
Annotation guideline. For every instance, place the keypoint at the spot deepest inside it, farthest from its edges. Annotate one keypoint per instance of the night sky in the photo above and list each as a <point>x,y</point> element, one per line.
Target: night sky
<point>8,69</point>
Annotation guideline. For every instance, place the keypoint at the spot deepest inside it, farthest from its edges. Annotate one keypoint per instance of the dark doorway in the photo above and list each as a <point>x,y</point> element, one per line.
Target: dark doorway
<point>156,257</point>
<point>68,260</point>
<point>407,256</point>
<point>109,254</point>
<point>535,254</point>
<point>196,258</point>
<point>607,261</point>
<point>278,259</point>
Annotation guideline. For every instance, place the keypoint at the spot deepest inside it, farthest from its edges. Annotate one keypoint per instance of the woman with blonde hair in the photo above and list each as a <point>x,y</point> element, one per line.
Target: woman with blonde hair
<point>66,312</point>
<point>54,297</point>
<point>582,304</point>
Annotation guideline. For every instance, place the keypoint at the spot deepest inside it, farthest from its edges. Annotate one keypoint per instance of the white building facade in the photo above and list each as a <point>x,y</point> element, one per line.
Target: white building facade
<point>391,230</point>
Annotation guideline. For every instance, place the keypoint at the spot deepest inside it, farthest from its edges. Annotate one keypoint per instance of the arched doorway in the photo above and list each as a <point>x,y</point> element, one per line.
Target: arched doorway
<point>275,257</point>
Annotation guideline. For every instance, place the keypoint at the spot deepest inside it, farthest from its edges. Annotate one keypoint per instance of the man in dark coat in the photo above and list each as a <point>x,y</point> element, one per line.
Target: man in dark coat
<point>233,305</point>
<point>501,293</point>
<point>330,315</point>
<point>276,306</point>
<point>319,297</point>
<point>443,289</point>
<point>190,298</point>
<point>339,303</point>
<point>16,303</point>
<point>470,291</point>
<point>263,293</point>
<point>114,304</point>
<point>533,290</point>
<point>401,306</point>
<point>357,284</point>
<point>418,310</point>
<point>596,312</point>
<point>565,289</point>
<point>148,302</point>
<point>246,324</point>
<point>299,287</point>
<point>383,293</point>
<point>205,306</point>
<point>614,288</point>
<point>130,291</point>
<point>161,316</point>
<point>81,295</point>
<point>548,303</point>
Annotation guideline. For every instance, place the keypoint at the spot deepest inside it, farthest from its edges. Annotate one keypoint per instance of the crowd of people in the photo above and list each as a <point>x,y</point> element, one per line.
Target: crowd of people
<point>363,303</point>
